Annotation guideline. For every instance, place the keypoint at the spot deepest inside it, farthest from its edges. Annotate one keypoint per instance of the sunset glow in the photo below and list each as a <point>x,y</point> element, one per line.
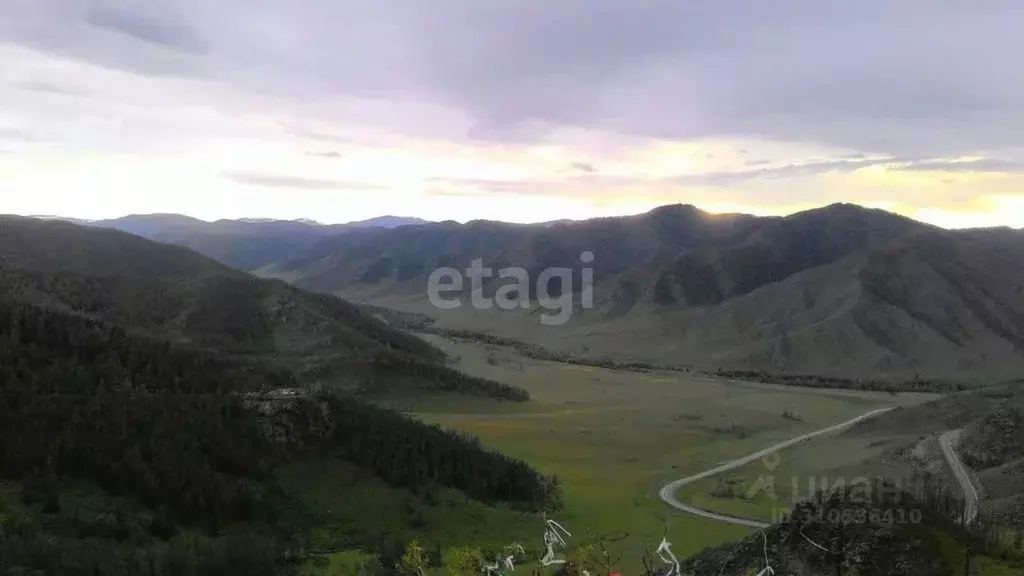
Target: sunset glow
<point>99,134</point>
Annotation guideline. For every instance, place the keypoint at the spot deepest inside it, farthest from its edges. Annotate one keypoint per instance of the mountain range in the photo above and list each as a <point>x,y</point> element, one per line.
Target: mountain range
<point>841,290</point>
<point>838,290</point>
<point>245,244</point>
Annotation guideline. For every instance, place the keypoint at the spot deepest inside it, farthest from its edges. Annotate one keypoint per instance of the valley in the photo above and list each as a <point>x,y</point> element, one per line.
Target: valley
<point>511,288</point>
<point>614,437</point>
<point>325,433</point>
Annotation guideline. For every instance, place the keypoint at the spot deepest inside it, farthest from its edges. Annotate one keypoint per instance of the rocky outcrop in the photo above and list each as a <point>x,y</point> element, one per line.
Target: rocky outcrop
<point>995,440</point>
<point>291,417</point>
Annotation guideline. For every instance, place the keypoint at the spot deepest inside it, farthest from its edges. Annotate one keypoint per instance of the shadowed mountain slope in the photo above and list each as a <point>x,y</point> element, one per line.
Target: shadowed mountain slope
<point>841,289</point>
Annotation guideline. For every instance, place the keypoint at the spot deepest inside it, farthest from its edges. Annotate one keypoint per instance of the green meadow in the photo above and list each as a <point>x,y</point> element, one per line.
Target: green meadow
<point>612,438</point>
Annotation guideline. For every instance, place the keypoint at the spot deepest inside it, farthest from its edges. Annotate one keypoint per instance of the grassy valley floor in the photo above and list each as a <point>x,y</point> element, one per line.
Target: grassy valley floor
<point>612,438</point>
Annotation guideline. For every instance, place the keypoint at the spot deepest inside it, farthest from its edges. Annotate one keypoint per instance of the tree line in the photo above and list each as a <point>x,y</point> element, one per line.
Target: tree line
<point>408,453</point>
<point>892,385</point>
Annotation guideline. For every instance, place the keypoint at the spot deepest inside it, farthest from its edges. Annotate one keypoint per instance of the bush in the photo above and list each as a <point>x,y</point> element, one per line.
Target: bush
<point>465,561</point>
<point>414,561</point>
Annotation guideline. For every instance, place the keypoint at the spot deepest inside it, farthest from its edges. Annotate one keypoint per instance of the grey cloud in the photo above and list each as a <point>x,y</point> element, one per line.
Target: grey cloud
<point>313,135</point>
<point>592,183</point>
<point>913,78</point>
<point>578,184</point>
<point>733,177</point>
<point>155,39</point>
<point>143,22</point>
<point>327,154</point>
<point>338,140</point>
<point>447,192</point>
<point>981,165</point>
<point>319,136</point>
<point>846,165</point>
<point>584,167</point>
<point>46,88</point>
<point>470,186</point>
<point>872,76</point>
<point>15,135</point>
<point>278,181</point>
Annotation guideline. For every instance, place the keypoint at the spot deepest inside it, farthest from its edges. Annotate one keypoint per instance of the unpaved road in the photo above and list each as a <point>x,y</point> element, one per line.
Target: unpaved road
<point>668,491</point>
<point>948,442</point>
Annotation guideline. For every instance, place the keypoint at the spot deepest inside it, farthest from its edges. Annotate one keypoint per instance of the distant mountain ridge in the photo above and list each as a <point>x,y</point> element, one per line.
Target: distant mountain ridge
<point>386,221</point>
<point>842,289</point>
<point>246,244</point>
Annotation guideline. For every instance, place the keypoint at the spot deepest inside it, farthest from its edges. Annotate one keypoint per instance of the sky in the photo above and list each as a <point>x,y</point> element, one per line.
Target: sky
<point>515,110</point>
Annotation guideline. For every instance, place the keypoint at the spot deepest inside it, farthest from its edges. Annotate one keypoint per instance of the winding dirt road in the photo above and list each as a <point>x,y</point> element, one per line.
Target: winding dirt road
<point>668,491</point>
<point>948,442</point>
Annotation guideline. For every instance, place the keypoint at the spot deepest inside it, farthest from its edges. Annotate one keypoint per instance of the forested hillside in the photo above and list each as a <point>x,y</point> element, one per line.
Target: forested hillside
<point>177,294</point>
<point>135,438</point>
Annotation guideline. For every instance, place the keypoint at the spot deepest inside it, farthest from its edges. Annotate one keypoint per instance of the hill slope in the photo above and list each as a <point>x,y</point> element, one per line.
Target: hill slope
<point>148,397</point>
<point>990,445</point>
<point>841,290</point>
<point>175,293</point>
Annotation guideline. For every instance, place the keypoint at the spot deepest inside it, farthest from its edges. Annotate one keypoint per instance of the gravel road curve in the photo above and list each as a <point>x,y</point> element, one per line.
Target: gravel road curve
<point>948,442</point>
<point>668,491</point>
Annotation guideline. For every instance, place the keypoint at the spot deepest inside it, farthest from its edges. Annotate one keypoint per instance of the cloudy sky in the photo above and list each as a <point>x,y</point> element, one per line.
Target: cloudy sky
<point>520,110</point>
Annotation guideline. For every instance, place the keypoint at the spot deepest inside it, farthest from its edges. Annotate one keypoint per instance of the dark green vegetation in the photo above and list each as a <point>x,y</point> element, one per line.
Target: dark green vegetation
<point>893,385</point>
<point>148,397</point>
<point>842,290</point>
<point>242,244</point>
